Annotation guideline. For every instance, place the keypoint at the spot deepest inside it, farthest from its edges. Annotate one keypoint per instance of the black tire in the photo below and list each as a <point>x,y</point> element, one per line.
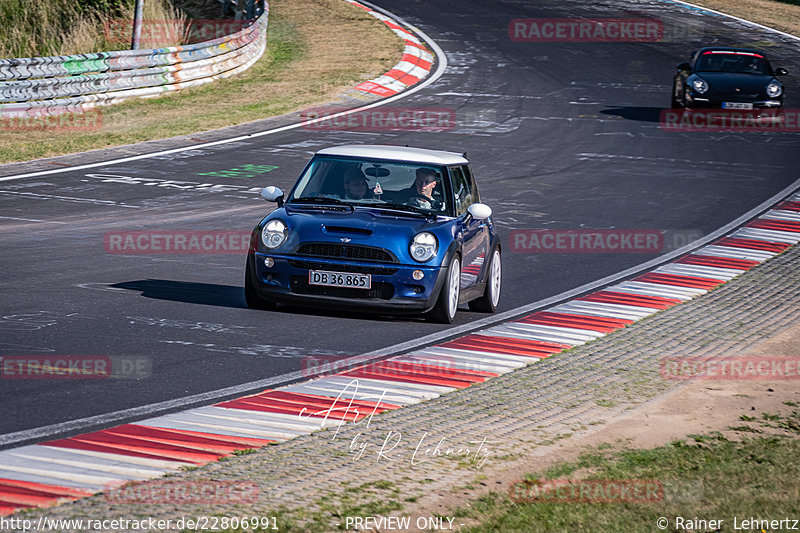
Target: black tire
<point>676,101</point>
<point>251,297</point>
<point>491,295</point>
<point>446,306</point>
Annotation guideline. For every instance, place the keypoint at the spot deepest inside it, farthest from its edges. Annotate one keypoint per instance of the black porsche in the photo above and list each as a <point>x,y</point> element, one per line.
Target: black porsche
<point>728,78</point>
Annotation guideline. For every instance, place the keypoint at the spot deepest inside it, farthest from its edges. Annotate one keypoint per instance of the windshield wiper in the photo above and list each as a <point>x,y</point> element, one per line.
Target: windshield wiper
<point>315,200</point>
<point>319,202</point>
<point>403,207</point>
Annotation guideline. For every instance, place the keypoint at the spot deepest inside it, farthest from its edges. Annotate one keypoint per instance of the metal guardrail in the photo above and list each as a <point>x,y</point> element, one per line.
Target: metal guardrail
<point>59,84</point>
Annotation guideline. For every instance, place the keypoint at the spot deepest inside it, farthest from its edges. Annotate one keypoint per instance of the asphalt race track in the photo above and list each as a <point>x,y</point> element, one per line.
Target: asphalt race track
<point>561,135</point>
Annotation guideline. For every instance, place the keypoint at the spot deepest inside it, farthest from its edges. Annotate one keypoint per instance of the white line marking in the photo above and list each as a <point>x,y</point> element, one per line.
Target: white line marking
<point>441,66</point>
<point>69,199</point>
<point>33,220</point>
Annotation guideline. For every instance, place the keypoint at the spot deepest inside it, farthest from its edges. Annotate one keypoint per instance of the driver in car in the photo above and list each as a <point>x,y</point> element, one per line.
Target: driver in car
<point>420,194</point>
<point>752,65</point>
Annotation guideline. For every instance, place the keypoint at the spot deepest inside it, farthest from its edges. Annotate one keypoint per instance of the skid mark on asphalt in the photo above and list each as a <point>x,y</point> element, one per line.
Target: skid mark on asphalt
<point>271,350</point>
<point>72,199</point>
<point>91,462</point>
<point>187,325</point>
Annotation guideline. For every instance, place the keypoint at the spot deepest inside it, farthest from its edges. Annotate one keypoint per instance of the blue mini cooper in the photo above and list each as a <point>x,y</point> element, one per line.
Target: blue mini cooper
<point>386,228</point>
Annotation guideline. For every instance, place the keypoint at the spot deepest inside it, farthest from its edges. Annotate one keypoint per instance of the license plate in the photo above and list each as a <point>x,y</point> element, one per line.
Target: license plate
<point>737,105</point>
<point>339,279</point>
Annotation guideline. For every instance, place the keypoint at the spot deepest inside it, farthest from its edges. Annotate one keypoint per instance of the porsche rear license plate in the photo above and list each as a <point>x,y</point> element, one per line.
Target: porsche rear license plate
<point>737,105</point>
<point>339,279</point>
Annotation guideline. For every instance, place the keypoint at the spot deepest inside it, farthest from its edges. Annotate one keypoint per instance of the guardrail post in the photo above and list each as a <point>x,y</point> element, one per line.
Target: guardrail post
<point>137,25</point>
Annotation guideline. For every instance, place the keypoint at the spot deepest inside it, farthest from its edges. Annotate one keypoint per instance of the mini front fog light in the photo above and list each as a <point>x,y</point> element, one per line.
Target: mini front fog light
<point>418,275</point>
<point>268,262</point>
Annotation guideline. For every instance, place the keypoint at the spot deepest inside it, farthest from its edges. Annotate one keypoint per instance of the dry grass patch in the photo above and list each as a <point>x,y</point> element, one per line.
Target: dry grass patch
<point>316,49</point>
<point>33,28</point>
<point>784,16</point>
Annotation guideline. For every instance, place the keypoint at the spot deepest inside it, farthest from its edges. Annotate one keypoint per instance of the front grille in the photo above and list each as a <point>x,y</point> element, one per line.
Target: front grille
<point>379,291</point>
<point>314,265</point>
<point>744,97</point>
<point>346,251</point>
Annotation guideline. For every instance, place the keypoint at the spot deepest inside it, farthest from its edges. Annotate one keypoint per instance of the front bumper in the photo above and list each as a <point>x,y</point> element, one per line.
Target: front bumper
<point>715,102</point>
<point>393,287</point>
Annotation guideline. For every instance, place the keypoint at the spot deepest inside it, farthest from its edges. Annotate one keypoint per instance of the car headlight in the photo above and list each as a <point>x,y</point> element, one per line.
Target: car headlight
<point>423,247</point>
<point>774,89</point>
<point>700,85</point>
<point>274,233</point>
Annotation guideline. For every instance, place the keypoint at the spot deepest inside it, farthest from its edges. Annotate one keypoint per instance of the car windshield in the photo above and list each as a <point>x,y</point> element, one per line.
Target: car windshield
<point>412,187</point>
<point>738,62</point>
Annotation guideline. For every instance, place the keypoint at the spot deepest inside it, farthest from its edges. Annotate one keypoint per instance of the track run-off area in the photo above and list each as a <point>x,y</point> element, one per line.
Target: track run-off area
<point>562,136</point>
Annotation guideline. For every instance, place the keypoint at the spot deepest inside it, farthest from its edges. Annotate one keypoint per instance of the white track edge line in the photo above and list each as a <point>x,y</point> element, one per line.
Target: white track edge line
<point>441,66</point>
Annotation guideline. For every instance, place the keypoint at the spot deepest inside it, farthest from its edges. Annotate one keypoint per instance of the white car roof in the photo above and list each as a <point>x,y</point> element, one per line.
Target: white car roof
<point>396,153</point>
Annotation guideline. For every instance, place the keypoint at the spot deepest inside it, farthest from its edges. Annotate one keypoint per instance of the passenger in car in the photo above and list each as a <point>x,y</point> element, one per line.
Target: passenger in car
<point>355,185</point>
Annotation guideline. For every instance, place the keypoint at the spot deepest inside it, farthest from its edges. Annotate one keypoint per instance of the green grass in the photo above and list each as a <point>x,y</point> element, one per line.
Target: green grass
<point>315,50</point>
<point>34,28</point>
<point>707,476</point>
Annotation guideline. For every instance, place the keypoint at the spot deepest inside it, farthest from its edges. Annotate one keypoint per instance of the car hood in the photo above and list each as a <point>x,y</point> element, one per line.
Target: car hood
<point>728,82</point>
<point>365,226</point>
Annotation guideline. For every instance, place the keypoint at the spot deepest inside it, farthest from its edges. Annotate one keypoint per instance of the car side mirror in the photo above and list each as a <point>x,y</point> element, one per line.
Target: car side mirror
<point>479,211</point>
<point>684,66</point>
<point>272,194</point>
<point>781,72</point>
